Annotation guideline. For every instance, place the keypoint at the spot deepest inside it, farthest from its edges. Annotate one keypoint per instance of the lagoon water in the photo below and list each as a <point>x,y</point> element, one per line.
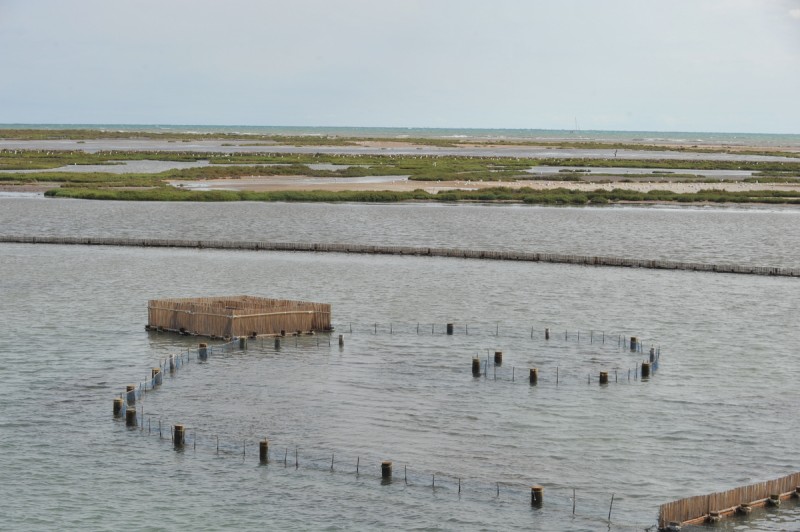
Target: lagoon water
<point>720,412</point>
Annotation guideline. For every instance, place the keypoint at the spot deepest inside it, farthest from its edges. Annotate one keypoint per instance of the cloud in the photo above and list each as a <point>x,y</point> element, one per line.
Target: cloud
<point>795,13</point>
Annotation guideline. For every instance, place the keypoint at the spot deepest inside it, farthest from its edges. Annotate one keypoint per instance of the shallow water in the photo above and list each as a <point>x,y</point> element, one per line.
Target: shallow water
<point>719,412</point>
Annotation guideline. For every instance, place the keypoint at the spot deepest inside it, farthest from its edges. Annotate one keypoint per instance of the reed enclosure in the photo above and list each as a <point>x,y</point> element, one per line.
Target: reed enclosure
<point>699,506</point>
<point>228,317</point>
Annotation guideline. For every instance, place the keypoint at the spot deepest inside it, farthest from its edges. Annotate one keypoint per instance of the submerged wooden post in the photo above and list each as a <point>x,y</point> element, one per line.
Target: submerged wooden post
<point>537,495</point>
<point>341,340</point>
<point>450,329</point>
<point>634,343</point>
<point>603,377</point>
<point>263,451</point>
<point>117,406</point>
<point>534,376</point>
<point>178,435</point>
<point>130,417</point>
<point>386,469</point>
<point>172,363</point>
<point>498,358</point>
<point>547,334</point>
<point>130,394</point>
<point>652,354</point>
<point>645,369</point>
<point>202,351</point>
<point>156,376</point>
<point>476,367</point>
<point>277,344</point>
<point>242,342</point>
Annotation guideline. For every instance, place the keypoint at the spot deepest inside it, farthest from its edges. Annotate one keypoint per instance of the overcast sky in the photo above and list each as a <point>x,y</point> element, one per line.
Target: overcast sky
<point>665,65</point>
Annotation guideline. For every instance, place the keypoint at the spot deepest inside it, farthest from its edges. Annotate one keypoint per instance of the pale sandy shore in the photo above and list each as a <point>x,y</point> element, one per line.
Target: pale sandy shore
<point>270,183</point>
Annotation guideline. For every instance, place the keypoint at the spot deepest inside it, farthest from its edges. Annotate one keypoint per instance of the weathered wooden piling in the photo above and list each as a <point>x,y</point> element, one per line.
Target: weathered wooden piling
<point>634,343</point>
<point>534,376</point>
<point>155,376</point>
<point>118,406</point>
<point>130,394</point>
<point>476,367</point>
<point>645,370</point>
<point>277,344</point>
<point>386,469</point>
<point>498,358</point>
<point>172,363</point>
<point>537,495</point>
<point>341,340</point>
<point>178,435</point>
<point>774,500</point>
<point>450,329</point>
<point>652,354</point>
<point>547,334</point>
<point>130,417</point>
<point>263,451</point>
<point>202,351</point>
<point>242,342</point>
<point>603,377</point>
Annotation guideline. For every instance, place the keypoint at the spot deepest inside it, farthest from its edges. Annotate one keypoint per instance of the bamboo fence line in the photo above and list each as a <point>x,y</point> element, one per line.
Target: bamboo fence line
<point>699,506</point>
<point>557,258</point>
<point>231,316</point>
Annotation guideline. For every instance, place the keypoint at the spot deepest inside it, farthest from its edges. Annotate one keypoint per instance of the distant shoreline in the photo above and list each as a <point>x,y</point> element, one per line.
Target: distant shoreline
<point>312,168</point>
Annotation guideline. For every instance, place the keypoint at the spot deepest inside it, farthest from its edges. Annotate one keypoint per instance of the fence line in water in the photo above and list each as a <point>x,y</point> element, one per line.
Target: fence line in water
<point>185,438</point>
<point>712,507</point>
<point>558,258</point>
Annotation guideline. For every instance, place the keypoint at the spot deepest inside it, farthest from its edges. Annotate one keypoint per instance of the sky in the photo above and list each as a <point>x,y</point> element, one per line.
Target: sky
<point>639,65</point>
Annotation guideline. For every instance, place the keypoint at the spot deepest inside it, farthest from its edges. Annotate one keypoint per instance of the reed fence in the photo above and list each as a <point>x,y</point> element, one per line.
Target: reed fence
<point>558,258</point>
<point>699,506</point>
<point>228,317</point>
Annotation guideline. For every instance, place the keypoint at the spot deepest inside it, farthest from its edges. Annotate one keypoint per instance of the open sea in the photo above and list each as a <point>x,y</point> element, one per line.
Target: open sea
<point>553,135</point>
<point>720,412</point>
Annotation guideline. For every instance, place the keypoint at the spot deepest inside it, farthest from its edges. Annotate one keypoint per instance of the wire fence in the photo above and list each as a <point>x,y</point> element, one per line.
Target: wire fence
<point>593,505</point>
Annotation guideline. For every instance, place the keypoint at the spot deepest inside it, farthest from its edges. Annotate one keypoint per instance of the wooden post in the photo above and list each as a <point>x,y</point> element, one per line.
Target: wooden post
<point>118,407</point>
<point>537,495</point>
<point>652,354</point>
<point>386,469</point>
<point>633,343</point>
<point>130,417</point>
<point>534,376</point>
<point>450,329</point>
<point>603,377</point>
<point>202,351</point>
<point>130,394</point>
<point>263,451</point>
<point>645,370</point>
<point>156,376</point>
<point>476,367</point>
<point>178,435</point>
<point>277,344</point>
<point>341,340</point>
<point>242,342</point>
<point>547,334</point>
<point>498,358</point>
<point>172,363</point>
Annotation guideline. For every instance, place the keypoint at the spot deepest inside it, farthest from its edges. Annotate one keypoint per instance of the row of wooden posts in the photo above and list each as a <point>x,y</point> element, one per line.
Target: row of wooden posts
<point>557,258</point>
<point>125,405</point>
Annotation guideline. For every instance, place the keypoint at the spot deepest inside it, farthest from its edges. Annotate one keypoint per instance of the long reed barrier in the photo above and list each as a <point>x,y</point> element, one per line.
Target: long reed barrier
<point>710,508</point>
<point>558,258</point>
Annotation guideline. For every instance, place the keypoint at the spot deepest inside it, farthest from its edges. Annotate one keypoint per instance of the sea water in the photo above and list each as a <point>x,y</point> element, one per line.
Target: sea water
<point>720,412</point>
